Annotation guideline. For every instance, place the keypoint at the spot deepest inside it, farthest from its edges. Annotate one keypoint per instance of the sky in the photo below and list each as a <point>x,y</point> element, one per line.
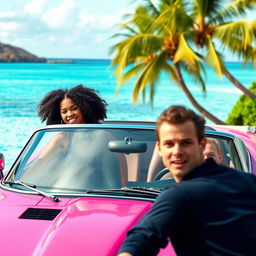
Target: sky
<point>63,28</point>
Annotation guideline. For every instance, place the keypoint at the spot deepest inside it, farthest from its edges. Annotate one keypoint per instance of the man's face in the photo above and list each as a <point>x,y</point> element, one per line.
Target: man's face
<point>179,148</point>
<point>212,151</point>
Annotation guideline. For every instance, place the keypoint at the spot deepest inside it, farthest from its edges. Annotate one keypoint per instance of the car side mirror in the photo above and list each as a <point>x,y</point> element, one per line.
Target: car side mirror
<point>2,164</point>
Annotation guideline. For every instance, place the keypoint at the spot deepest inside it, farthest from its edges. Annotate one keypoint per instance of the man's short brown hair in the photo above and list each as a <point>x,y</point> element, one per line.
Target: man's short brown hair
<point>177,114</point>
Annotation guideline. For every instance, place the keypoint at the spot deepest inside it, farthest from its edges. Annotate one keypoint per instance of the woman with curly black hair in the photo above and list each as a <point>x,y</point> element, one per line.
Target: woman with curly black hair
<point>77,105</point>
<point>68,153</point>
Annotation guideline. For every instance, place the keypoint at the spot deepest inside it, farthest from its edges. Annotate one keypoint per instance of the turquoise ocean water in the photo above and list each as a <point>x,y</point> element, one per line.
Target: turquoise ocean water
<point>22,85</point>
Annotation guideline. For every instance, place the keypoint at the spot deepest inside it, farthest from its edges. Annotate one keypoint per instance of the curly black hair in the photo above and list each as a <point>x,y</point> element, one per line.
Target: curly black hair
<point>86,98</point>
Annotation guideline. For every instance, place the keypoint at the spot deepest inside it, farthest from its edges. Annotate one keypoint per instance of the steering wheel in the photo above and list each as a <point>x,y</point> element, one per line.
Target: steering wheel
<point>161,173</point>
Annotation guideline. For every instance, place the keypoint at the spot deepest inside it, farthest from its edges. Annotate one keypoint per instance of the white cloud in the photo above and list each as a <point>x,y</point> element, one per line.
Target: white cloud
<point>99,38</point>
<point>61,15</point>
<point>108,21</point>
<point>86,19</point>
<point>63,24</point>
<point>4,15</point>
<point>9,26</point>
<point>99,22</point>
<point>51,38</point>
<point>4,35</point>
<point>35,7</point>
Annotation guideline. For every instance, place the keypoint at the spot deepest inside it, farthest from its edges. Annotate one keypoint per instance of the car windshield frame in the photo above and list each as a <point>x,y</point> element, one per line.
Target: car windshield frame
<point>239,150</point>
<point>16,171</point>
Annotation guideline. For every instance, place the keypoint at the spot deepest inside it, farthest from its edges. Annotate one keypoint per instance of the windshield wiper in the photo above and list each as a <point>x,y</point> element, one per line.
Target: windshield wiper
<point>128,190</point>
<point>33,188</point>
<point>148,189</point>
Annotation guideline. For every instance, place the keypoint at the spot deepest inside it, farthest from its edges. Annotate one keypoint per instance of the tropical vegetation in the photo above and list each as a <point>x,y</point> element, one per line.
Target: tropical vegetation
<point>212,21</point>
<point>163,36</point>
<point>244,111</point>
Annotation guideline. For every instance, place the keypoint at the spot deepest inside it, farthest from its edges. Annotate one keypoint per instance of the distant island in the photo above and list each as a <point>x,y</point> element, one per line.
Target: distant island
<point>9,53</point>
<point>14,54</point>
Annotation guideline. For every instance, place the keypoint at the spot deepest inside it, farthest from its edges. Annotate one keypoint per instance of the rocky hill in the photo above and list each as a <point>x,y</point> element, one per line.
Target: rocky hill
<point>9,53</point>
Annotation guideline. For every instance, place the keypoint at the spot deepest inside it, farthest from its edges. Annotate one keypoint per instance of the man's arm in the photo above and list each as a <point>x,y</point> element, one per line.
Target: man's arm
<point>164,219</point>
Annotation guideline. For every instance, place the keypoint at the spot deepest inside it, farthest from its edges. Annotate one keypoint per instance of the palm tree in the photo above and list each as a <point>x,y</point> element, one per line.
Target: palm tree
<point>213,21</point>
<point>153,43</point>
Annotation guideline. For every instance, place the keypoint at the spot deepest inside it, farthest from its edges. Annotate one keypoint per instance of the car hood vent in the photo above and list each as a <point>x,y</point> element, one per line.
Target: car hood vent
<point>40,214</point>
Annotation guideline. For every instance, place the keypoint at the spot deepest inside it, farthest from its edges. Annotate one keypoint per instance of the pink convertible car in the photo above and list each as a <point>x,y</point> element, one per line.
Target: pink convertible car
<point>77,189</point>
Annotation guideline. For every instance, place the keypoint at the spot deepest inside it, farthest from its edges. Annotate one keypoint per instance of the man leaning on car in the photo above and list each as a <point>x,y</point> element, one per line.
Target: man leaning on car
<point>210,210</point>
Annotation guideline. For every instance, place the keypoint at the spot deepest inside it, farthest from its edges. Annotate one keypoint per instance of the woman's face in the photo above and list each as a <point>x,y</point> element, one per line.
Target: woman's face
<point>70,112</point>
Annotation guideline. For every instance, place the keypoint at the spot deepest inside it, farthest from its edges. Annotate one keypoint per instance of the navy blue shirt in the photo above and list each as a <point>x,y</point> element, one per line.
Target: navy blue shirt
<point>212,211</point>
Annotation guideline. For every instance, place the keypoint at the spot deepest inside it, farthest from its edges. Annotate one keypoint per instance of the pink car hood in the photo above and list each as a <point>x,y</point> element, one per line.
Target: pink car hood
<point>86,226</point>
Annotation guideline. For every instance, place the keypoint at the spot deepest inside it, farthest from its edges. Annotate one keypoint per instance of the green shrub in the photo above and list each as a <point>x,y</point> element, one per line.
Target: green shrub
<point>244,111</point>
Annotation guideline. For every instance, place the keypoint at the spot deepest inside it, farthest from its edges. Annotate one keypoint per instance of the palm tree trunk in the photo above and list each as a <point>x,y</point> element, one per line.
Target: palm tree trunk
<point>203,111</point>
<point>234,81</point>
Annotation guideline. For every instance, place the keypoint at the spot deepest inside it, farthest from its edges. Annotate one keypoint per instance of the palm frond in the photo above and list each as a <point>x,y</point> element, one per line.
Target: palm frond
<point>203,9</point>
<point>133,71</point>
<point>231,34</point>
<point>169,69</point>
<point>253,56</point>
<point>151,6</point>
<point>185,54</point>
<point>253,28</point>
<point>175,18</point>
<point>129,50</point>
<point>247,56</point>
<point>149,76</point>
<point>144,22</point>
<point>233,10</point>
<point>214,59</point>
<point>196,76</point>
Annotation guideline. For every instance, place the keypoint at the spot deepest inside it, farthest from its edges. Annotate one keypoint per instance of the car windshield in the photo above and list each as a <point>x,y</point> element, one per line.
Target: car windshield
<point>93,158</point>
<point>75,160</point>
